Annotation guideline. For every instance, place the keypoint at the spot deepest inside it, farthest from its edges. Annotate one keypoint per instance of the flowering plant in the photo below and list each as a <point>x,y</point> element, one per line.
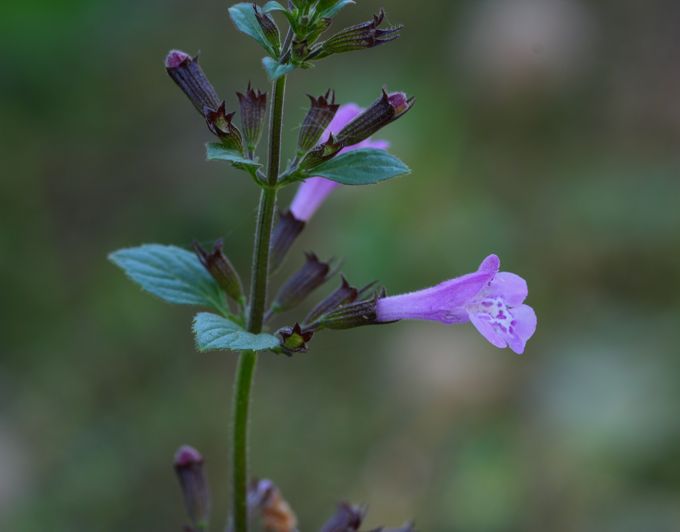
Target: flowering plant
<point>334,147</point>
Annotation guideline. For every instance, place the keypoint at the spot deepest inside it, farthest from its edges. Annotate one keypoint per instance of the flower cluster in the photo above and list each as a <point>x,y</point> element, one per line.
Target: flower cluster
<point>335,146</point>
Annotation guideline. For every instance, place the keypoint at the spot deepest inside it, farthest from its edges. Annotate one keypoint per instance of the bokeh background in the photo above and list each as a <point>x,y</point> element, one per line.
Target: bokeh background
<point>546,131</point>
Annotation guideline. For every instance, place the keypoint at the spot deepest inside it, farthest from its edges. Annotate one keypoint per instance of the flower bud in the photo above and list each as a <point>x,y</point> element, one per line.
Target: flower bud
<point>285,232</point>
<point>276,513</point>
<point>295,290</point>
<point>347,518</point>
<point>219,266</point>
<point>319,116</point>
<point>253,113</point>
<point>189,470</point>
<point>344,295</point>
<point>294,339</point>
<point>269,27</point>
<point>220,123</point>
<point>189,76</point>
<point>364,35</point>
<point>384,110</point>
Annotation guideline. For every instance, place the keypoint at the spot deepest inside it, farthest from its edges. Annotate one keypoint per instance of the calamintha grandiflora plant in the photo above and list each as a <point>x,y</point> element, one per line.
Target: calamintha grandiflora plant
<point>334,147</point>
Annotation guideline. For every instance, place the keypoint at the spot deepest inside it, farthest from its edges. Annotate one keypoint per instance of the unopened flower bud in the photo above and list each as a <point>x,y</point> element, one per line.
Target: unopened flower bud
<point>287,229</point>
<point>365,35</point>
<point>384,110</point>
<point>221,269</point>
<point>344,295</point>
<point>189,76</point>
<point>189,469</point>
<point>269,27</point>
<point>295,290</point>
<point>347,518</point>
<point>276,513</point>
<point>294,339</point>
<point>253,113</point>
<point>220,123</point>
<point>319,116</point>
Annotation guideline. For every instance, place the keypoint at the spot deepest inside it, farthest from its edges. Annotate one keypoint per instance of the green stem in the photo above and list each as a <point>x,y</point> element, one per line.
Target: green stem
<point>245,371</point>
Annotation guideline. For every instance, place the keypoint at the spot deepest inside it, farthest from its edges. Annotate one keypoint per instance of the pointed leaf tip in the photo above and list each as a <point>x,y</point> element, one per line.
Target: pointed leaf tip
<point>274,69</point>
<point>361,167</point>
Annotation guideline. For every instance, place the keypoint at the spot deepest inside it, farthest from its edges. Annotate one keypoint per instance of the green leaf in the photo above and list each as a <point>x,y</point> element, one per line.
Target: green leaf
<point>333,10</point>
<point>171,273</point>
<point>275,69</point>
<point>272,5</point>
<point>361,167</point>
<point>217,152</point>
<point>214,333</point>
<point>243,17</point>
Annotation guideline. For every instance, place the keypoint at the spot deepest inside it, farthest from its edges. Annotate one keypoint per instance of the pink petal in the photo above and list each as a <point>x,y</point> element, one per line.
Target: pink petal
<point>511,287</point>
<point>523,328</point>
<point>490,264</point>
<point>487,330</point>
<point>309,197</point>
<point>526,320</point>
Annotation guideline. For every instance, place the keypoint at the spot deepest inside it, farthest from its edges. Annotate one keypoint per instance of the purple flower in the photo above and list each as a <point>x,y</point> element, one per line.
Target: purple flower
<point>314,191</point>
<point>491,300</point>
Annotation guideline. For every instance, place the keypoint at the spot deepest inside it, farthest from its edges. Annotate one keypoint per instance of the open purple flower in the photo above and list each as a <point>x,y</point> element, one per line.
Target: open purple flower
<point>313,192</point>
<point>491,300</point>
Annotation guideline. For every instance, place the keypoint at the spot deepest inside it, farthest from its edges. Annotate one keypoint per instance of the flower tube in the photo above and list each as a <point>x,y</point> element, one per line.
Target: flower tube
<point>313,191</point>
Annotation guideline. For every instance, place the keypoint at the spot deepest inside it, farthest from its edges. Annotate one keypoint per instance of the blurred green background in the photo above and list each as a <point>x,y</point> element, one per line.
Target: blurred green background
<point>546,131</point>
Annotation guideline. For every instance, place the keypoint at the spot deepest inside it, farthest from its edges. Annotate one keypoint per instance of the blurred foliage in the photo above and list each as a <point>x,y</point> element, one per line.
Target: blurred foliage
<point>545,131</point>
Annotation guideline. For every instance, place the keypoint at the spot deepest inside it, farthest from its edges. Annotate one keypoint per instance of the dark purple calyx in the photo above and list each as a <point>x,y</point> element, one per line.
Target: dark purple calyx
<point>188,465</point>
<point>343,295</point>
<point>221,124</point>
<point>302,283</point>
<point>286,231</point>
<point>253,113</point>
<point>294,339</point>
<point>321,112</point>
<point>189,76</point>
<point>385,110</point>
<point>347,518</point>
<point>221,269</point>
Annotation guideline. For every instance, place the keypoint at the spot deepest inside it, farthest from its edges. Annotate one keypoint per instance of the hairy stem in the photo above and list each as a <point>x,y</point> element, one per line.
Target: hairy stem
<point>245,372</point>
